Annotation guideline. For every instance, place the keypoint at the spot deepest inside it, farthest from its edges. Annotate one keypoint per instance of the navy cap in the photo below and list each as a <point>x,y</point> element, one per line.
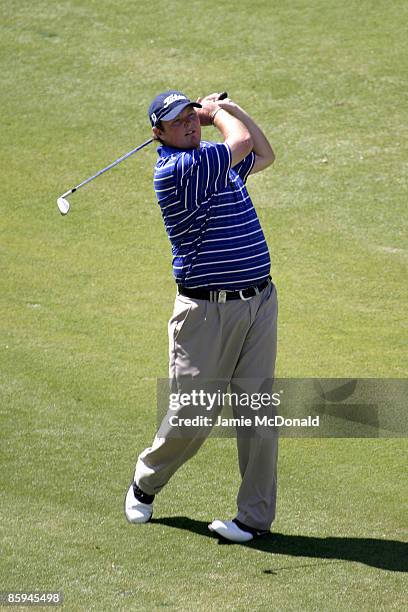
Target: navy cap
<point>168,105</point>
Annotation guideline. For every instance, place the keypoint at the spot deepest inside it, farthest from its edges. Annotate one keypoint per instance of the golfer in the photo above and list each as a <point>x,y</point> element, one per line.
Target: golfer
<point>223,325</point>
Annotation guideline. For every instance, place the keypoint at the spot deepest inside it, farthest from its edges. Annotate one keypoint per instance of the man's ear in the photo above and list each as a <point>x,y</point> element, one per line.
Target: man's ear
<point>157,133</point>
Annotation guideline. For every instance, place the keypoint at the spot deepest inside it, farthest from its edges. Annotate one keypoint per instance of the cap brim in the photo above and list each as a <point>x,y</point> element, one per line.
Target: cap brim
<point>176,110</point>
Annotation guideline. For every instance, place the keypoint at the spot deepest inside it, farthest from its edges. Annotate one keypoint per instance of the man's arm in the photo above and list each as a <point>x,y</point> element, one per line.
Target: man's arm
<point>264,155</point>
<point>235,133</point>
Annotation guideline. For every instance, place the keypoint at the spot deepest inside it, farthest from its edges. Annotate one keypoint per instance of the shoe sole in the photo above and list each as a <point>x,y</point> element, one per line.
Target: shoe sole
<point>230,540</point>
<point>255,536</point>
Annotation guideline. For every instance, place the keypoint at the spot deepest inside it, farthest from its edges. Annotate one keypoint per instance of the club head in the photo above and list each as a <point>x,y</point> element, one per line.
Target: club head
<point>63,205</point>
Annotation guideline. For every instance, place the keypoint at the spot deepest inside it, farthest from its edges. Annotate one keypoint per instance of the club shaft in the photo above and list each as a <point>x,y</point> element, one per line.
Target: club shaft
<point>112,165</point>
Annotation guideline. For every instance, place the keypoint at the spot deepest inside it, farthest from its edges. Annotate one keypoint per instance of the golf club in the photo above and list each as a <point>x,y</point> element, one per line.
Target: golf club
<point>62,202</point>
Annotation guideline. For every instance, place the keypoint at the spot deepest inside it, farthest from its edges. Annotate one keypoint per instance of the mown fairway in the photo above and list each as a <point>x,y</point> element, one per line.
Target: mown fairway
<point>85,299</point>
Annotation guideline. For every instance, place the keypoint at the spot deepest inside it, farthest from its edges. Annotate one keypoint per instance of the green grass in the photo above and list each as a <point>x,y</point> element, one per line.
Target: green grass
<point>83,327</point>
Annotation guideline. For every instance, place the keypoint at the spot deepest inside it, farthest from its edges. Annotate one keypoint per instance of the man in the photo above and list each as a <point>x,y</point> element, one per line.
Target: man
<point>224,320</point>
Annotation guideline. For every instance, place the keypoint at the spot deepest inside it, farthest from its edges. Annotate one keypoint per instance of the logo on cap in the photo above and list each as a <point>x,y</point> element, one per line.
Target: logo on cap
<point>173,98</point>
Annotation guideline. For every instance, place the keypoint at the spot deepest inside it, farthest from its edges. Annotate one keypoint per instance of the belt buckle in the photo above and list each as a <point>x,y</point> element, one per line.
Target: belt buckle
<point>222,297</point>
<point>241,295</point>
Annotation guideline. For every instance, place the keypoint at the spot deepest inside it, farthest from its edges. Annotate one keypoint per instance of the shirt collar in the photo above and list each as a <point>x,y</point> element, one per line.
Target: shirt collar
<point>165,151</point>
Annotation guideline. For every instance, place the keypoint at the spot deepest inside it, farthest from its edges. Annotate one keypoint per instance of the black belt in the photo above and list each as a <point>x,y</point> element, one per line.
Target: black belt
<point>202,293</point>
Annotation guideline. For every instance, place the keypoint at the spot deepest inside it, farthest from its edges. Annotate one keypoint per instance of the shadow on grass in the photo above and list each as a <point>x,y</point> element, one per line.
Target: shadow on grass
<point>390,555</point>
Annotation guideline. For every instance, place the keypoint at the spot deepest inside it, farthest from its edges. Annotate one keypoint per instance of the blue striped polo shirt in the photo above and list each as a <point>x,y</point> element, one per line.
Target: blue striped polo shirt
<point>217,240</point>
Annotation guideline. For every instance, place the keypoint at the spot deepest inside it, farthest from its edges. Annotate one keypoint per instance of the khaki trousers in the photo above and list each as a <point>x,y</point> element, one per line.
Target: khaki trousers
<point>234,341</point>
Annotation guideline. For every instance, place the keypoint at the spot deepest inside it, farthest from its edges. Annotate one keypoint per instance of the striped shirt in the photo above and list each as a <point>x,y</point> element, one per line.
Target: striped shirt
<point>217,240</point>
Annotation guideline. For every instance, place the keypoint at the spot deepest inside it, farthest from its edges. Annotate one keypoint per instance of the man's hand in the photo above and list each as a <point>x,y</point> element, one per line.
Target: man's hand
<point>210,105</point>
<point>205,113</point>
<point>211,98</point>
<point>228,105</point>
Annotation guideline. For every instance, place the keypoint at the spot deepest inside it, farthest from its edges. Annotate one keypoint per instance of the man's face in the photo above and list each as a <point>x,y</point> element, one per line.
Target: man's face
<point>183,132</point>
